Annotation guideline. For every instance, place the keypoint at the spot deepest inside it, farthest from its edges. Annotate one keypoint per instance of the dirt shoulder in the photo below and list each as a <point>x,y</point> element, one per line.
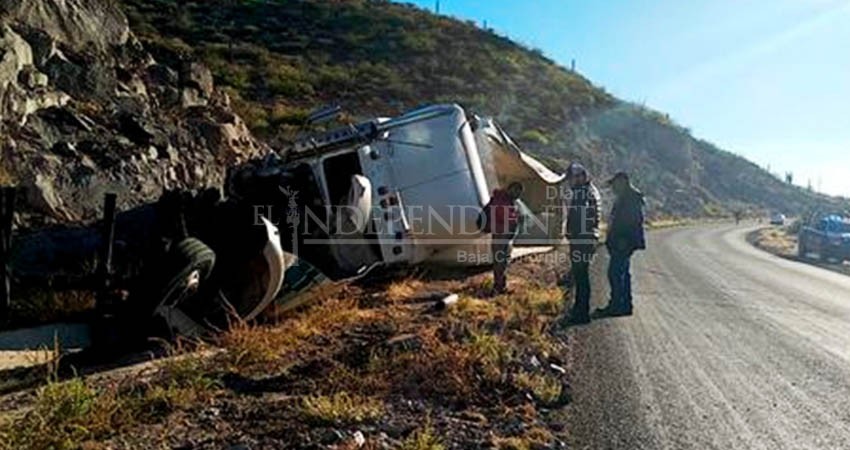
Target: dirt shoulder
<point>782,242</point>
<point>372,365</point>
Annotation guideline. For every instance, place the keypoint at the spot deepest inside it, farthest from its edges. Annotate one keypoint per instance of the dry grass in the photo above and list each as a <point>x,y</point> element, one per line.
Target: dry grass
<point>472,309</point>
<point>518,310</point>
<point>65,414</point>
<point>340,408</point>
<point>545,388</point>
<point>476,353</point>
<point>477,346</point>
<point>68,414</point>
<point>534,439</point>
<point>251,347</point>
<point>404,289</point>
<point>439,369</point>
<point>524,317</point>
<point>776,240</point>
<point>668,222</point>
<point>492,353</point>
<point>424,438</point>
<point>184,380</point>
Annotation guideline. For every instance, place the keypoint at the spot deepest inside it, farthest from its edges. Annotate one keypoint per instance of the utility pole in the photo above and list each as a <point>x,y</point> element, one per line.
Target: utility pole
<point>437,7</point>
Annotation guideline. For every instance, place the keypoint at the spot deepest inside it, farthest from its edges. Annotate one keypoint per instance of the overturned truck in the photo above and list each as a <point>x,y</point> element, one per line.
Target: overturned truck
<point>389,191</point>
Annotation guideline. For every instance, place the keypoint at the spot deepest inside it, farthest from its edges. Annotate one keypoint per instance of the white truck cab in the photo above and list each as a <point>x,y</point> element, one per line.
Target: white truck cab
<point>406,190</point>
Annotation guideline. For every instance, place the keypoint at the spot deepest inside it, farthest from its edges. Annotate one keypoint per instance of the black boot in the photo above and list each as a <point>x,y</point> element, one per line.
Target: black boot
<point>577,317</point>
<point>612,311</point>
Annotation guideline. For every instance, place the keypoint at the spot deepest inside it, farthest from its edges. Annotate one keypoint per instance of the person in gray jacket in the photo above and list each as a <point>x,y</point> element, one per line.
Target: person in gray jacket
<point>582,231</point>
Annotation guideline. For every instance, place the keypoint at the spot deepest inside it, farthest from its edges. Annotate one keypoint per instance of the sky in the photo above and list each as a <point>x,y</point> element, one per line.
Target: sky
<point>766,79</point>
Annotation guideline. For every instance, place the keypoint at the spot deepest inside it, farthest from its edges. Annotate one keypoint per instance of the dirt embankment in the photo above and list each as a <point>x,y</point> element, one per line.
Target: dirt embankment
<point>373,365</point>
<point>776,240</point>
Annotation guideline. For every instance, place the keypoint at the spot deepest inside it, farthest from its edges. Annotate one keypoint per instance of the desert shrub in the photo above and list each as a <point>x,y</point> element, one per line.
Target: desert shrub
<point>64,415</point>
<point>545,388</point>
<point>340,408</point>
<point>424,438</point>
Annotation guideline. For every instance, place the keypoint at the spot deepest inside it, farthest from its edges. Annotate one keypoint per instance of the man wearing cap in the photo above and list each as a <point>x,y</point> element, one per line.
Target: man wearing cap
<point>582,203</point>
<point>625,235</point>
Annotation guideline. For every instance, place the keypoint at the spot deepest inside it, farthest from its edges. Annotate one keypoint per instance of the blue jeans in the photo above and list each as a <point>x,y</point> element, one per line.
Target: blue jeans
<point>620,278</point>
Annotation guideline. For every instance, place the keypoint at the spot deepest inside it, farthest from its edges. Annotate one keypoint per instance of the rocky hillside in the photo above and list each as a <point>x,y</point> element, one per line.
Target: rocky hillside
<point>279,59</point>
<point>85,109</point>
<point>141,95</point>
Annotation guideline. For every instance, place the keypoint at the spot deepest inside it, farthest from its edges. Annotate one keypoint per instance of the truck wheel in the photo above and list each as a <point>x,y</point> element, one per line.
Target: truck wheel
<point>187,266</point>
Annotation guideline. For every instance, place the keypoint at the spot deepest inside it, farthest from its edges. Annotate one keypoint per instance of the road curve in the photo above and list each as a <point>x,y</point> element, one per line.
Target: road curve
<point>729,348</point>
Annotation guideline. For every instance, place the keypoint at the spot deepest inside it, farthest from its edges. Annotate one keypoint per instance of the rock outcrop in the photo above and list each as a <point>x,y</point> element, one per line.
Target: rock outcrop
<point>85,109</point>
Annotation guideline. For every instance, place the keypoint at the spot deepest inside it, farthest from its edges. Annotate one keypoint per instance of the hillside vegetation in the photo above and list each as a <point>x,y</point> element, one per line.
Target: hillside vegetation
<point>280,59</point>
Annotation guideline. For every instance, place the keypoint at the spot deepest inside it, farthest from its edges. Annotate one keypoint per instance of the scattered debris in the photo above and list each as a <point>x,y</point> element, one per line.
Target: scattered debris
<point>558,369</point>
<point>447,301</point>
<point>359,439</point>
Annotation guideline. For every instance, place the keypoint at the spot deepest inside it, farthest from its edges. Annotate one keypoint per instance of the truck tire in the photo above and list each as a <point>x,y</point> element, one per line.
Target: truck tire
<point>187,266</point>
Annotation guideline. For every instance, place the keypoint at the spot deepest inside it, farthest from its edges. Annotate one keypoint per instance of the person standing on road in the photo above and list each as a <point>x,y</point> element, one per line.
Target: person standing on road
<point>501,217</point>
<point>625,235</point>
<point>582,231</point>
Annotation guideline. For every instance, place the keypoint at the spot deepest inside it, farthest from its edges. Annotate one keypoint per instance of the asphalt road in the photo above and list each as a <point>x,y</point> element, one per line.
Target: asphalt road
<point>729,348</point>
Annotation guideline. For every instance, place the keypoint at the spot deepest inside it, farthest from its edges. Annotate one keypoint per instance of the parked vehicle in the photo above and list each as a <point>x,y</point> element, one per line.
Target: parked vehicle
<point>828,236</point>
<point>777,219</point>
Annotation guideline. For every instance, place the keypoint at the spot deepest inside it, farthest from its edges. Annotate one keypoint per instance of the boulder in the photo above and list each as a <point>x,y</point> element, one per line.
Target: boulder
<point>197,76</point>
<point>77,24</point>
<point>229,143</point>
<point>15,54</point>
<point>42,197</point>
<point>142,132</point>
<point>31,78</point>
<point>43,46</point>
<point>190,97</point>
<point>84,76</point>
<point>161,75</point>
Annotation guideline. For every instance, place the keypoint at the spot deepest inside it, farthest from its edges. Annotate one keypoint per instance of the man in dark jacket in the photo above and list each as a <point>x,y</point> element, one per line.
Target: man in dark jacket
<point>625,235</point>
<point>582,230</point>
<point>502,221</point>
